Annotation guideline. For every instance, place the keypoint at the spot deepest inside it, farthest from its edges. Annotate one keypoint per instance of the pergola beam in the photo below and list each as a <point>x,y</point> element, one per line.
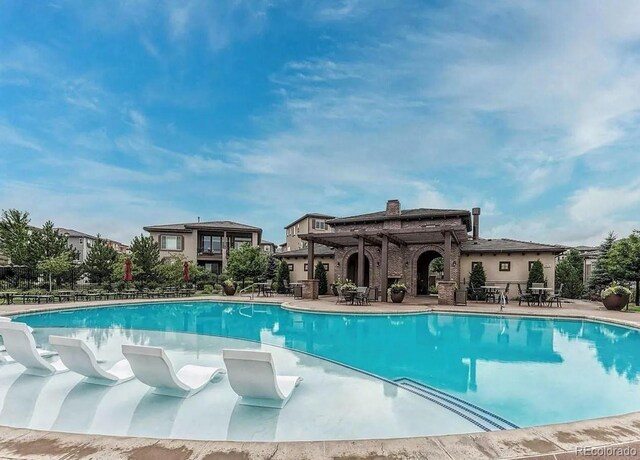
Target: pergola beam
<point>320,240</point>
<point>393,239</point>
<point>370,239</point>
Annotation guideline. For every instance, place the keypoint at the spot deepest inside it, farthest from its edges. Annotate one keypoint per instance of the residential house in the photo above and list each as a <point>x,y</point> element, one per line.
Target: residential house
<point>207,243</point>
<point>80,241</point>
<point>298,264</point>
<point>268,247</point>
<point>312,223</point>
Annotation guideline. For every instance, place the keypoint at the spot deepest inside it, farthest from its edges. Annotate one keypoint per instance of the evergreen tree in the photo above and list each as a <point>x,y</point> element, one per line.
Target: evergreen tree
<point>14,236</point>
<point>437,265</point>
<point>272,268</point>
<point>49,243</point>
<point>536,274</point>
<point>100,260</point>
<point>569,274</point>
<point>623,261</point>
<point>600,277</point>
<point>145,256</point>
<point>477,279</point>
<point>283,275</point>
<point>321,276</point>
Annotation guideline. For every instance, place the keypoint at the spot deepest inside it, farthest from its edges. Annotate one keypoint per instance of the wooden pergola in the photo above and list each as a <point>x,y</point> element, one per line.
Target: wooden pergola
<point>428,234</point>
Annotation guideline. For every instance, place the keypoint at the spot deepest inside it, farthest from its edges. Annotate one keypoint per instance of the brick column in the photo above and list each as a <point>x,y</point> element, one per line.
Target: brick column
<point>360,262</point>
<point>446,292</point>
<point>384,267</point>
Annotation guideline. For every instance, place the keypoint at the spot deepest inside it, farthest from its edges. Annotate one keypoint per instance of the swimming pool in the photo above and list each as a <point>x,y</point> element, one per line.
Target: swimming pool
<point>524,371</point>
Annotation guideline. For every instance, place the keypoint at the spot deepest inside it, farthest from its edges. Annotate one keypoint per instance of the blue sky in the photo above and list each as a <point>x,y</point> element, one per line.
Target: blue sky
<point>115,115</point>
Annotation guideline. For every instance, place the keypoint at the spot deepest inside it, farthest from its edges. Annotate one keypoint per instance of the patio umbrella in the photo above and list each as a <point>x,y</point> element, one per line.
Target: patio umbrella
<point>185,271</point>
<point>128,275</point>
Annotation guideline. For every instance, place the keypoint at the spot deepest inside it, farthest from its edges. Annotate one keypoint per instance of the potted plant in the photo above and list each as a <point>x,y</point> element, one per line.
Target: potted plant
<point>229,287</point>
<point>397,291</point>
<point>615,297</point>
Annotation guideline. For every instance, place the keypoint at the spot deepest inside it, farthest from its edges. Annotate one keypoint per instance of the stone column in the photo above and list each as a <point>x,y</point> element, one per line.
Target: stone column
<point>446,292</point>
<point>310,289</point>
<point>384,267</point>
<point>225,248</point>
<point>360,262</point>
<point>310,257</point>
<point>447,256</point>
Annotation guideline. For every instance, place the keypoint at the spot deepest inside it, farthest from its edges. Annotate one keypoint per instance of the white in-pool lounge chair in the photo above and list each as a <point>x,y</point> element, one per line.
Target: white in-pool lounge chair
<point>253,377</point>
<point>21,346</point>
<point>152,367</point>
<point>76,355</point>
<point>6,359</point>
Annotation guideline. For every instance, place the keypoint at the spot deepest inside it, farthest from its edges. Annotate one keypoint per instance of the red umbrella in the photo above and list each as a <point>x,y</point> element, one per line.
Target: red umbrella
<point>128,275</point>
<point>185,271</point>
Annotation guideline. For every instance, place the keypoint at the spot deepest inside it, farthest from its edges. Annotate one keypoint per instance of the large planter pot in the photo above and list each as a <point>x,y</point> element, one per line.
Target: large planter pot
<point>615,302</point>
<point>397,297</point>
<point>228,290</point>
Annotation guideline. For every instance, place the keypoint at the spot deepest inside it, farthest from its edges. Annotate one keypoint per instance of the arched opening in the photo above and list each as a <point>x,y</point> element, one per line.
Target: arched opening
<point>429,270</point>
<point>352,268</point>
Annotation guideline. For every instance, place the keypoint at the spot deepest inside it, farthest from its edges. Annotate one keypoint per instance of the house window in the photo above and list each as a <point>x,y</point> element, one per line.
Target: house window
<point>531,262</point>
<point>306,267</point>
<point>210,244</point>
<point>475,264</point>
<point>326,267</point>
<point>171,243</point>
<point>239,240</point>
<point>505,266</point>
<point>290,267</point>
<point>319,224</point>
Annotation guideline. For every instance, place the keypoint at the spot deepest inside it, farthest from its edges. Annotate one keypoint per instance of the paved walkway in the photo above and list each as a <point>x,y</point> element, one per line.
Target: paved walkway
<point>607,436</point>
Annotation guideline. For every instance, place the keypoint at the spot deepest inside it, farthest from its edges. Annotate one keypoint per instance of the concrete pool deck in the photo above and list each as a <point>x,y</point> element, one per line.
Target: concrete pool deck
<point>559,441</point>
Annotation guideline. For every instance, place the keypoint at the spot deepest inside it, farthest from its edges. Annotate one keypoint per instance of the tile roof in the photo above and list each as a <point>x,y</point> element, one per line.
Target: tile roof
<point>73,233</point>
<point>320,250</point>
<point>508,245</point>
<point>408,214</point>
<point>310,214</point>
<point>214,224</point>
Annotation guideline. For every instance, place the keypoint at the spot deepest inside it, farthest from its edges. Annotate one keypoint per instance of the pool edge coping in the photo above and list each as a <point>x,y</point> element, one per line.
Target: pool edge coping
<point>531,442</point>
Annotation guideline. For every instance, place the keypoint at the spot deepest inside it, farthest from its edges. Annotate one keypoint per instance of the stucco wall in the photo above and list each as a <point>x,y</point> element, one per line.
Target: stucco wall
<point>299,273</point>
<point>519,272</point>
<point>189,245</point>
<point>302,228</point>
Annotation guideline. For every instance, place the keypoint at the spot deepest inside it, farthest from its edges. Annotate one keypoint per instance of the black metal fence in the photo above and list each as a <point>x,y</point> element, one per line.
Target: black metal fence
<point>14,278</point>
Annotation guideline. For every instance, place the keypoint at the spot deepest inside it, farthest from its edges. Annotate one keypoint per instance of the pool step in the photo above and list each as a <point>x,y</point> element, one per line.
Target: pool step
<point>480,417</point>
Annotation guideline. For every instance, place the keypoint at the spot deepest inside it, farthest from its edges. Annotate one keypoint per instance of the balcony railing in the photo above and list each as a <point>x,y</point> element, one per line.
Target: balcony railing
<point>209,252</point>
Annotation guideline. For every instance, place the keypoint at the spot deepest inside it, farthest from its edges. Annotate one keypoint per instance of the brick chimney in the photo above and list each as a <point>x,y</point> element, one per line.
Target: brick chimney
<point>393,208</point>
<point>476,223</point>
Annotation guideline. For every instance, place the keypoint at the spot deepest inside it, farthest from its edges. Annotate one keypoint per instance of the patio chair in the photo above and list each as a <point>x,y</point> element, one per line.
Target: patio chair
<point>490,295</point>
<point>21,346</point>
<point>76,355</point>
<point>506,293</point>
<point>252,376</point>
<point>556,297</point>
<point>288,290</point>
<point>526,296</point>
<point>361,295</point>
<point>152,367</point>
<point>341,298</point>
<point>268,291</point>
<point>475,293</point>
<point>297,292</point>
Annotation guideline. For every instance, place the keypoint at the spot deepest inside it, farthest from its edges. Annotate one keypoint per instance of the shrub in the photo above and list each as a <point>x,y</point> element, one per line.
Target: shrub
<point>282,276</point>
<point>397,287</point>
<point>616,289</point>
<point>207,289</point>
<point>477,279</point>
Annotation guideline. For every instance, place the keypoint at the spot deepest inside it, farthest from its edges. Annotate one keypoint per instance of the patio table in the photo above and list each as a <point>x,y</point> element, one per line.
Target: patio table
<point>262,288</point>
<point>492,289</point>
<point>541,291</point>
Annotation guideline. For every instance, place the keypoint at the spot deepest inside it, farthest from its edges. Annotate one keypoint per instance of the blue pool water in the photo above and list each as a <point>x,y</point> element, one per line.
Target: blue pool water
<point>529,371</point>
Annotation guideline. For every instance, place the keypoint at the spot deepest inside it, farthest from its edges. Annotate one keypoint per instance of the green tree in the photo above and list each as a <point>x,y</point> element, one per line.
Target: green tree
<point>14,235</point>
<point>437,265</point>
<point>623,261</point>
<point>536,274</point>
<point>55,266</point>
<point>100,260</point>
<point>170,271</point>
<point>272,268</point>
<point>321,276</point>
<point>246,262</point>
<point>145,256</point>
<point>600,277</point>
<point>49,243</point>
<point>283,275</point>
<point>569,274</point>
<point>477,279</point>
